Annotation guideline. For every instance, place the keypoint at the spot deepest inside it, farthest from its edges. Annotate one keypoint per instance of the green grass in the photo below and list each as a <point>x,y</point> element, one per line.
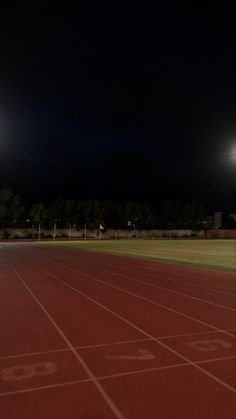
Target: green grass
<point>213,254</point>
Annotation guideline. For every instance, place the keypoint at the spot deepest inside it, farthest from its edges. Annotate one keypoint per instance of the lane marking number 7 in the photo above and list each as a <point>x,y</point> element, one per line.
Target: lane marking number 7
<point>144,354</point>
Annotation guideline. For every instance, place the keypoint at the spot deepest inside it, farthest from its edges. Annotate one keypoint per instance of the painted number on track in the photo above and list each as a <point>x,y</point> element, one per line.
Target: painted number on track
<point>23,372</point>
<point>209,345</point>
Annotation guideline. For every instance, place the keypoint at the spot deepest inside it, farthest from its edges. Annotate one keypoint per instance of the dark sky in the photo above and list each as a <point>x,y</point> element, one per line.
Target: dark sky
<point>118,102</point>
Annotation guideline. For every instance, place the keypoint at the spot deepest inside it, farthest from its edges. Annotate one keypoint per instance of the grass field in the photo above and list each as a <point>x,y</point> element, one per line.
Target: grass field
<point>215,254</point>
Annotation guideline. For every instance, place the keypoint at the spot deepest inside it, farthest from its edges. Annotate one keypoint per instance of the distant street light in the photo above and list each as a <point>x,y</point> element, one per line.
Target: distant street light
<point>54,230</point>
<point>70,231</point>
<point>136,219</point>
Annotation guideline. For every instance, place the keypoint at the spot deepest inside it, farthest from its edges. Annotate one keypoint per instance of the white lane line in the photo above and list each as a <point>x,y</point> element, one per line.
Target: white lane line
<point>211,273</point>
<point>139,297</point>
<point>194,334</point>
<point>79,261</point>
<point>107,377</point>
<point>134,326</point>
<point>136,296</point>
<point>151,274</point>
<point>107,344</point>
<point>99,387</point>
<point>165,367</point>
<point>153,268</point>
<point>76,348</point>
<point>222,358</point>
<point>143,298</point>
<point>48,387</point>
<point>155,286</point>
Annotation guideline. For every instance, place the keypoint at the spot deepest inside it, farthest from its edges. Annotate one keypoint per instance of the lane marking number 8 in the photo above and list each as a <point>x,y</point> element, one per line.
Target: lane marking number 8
<point>23,372</point>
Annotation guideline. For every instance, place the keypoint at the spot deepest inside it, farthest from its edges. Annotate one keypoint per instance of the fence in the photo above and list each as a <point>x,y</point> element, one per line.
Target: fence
<point>32,233</point>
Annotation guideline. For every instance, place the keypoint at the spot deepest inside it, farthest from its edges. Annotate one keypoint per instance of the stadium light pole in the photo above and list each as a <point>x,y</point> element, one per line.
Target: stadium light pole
<point>39,232</point>
<point>100,231</point>
<point>27,223</point>
<point>85,232</point>
<point>54,230</point>
<point>136,219</point>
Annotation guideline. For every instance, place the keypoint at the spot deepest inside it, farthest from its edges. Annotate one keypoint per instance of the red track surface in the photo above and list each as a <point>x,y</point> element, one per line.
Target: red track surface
<point>88,335</point>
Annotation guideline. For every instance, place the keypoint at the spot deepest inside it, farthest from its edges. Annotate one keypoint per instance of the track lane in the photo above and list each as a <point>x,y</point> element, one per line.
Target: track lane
<point>224,282</point>
<point>181,393</point>
<point>26,328</point>
<point>16,313</point>
<point>113,408</point>
<point>216,277</point>
<point>155,280</point>
<point>133,325</point>
<point>223,302</point>
<point>116,387</point>
<point>200,311</point>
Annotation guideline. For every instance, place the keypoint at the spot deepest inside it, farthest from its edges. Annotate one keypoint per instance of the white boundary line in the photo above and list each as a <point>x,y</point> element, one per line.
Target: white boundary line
<point>48,387</point>
<point>154,265</point>
<point>195,271</point>
<point>99,387</point>
<point>139,297</point>
<point>152,275</point>
<point>99,345</point>
<point>135,295</point>
<point>155,286</point>
<point>142,331</point>
<point>107,377</point>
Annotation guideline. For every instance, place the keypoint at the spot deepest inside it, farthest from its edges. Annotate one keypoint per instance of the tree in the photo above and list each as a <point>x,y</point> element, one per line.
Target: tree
<point>70,212</point>
<point>227,221</point>
<point>56,212</point>
<point>38,214</point>
<point>181,215</point>
<point>170,214</point>
<point>116,216</point>
<point>11,210</point>
<point>148,217</point>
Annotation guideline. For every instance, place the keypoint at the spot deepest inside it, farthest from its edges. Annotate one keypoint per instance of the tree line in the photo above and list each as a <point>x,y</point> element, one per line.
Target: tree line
<point>169,214</point>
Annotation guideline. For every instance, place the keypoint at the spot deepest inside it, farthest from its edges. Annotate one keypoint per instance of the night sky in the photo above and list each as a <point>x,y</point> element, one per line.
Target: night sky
<point>118,102</point>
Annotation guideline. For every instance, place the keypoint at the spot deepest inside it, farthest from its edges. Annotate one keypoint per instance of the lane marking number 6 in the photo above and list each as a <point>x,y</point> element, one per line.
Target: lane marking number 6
<point>209,345</point>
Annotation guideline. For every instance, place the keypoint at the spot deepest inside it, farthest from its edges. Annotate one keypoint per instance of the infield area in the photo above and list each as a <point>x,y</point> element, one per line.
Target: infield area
<point>214,254</point>
<point>88,334</point>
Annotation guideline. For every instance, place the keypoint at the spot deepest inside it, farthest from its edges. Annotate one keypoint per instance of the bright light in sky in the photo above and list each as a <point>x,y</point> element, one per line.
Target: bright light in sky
<point>233,154</point>
<point>5,137</point>
<point>228,155</point>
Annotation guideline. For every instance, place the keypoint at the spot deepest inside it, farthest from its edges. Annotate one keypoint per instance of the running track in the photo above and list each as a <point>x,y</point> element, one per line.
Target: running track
<point>88,335</point>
